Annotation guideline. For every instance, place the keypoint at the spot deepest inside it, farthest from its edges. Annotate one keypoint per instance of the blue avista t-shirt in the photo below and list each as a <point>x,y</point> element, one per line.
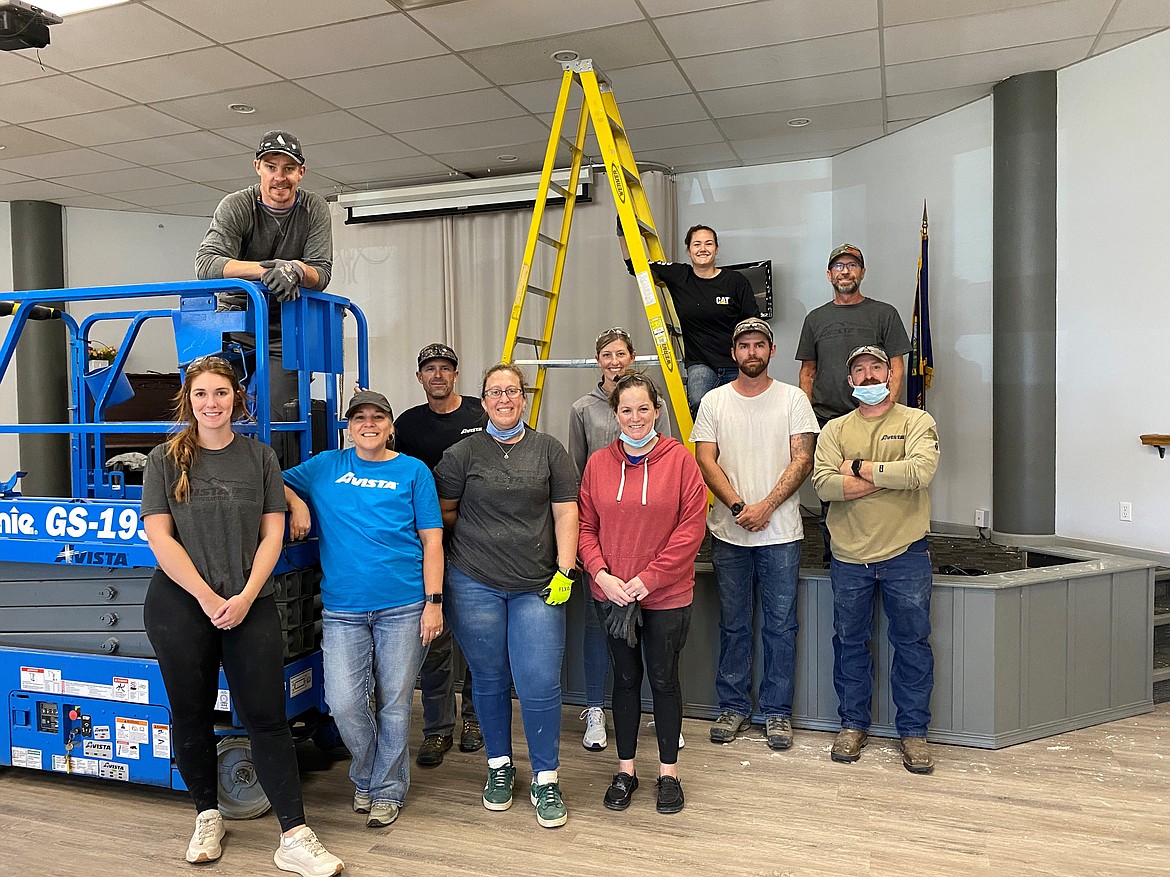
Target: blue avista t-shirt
<point>368,516</point>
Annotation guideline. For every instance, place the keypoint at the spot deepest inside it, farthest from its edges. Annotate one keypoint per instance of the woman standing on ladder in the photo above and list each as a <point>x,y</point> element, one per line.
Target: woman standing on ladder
<point>709,301</point>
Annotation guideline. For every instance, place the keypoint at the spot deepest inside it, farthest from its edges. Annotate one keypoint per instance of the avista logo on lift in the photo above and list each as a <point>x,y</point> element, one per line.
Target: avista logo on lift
<point>14,523</point>
<point>69,554</point>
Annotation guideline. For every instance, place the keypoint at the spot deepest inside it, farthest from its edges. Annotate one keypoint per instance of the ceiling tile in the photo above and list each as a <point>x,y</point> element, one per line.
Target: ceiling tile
<point>934,103</point>
<point>770,97</point>
<point>666,136</point>
<point>465,107</point>
<point>97,202</point>
<point>36,190</point>
<point>895,12</point>
<point>662,111</point>
<point>365,149</point>
<point>541,96</point>
<point>705,154</point>
<point>624,45</point>
<point>118,181</point>
<point>19,66</point>
<point>210,168</point>
<point>9,177</point>
<point>373,173</point>
<point>828,118</point>
<point>483,135</point>
<point>18,142</point>
<point>768,22</point>
<point>1140,14</point>
<point>984,67</point>
<point>52,97</point>
<point>111,36</point>
<point>178,147</point>
<point>410,79</point>
<point>280,100</point>
<point>484,162</point>
<point>647,80</point>
<point>176,194</point>
<point>198,208</point>
<point>112,126</point>
<point>321,128</point>
<point>227,20</point>
<point>512,21</point>
<point>1044,23</point>
<point>1110,41</point>
<point>658,8</point>
<point>805,144</point>
<point>900,124</point>
<point>346,46</point>
<point>856,51</point>
<point>63,163</point>
<point>182,75</point>
<point>235,184</point>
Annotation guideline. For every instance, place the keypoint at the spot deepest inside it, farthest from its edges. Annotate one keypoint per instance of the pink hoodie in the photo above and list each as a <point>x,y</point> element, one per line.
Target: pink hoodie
<point>644,520</point>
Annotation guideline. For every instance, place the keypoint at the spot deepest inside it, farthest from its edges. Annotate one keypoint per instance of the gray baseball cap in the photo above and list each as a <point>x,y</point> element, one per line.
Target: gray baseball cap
<point>368,397</point>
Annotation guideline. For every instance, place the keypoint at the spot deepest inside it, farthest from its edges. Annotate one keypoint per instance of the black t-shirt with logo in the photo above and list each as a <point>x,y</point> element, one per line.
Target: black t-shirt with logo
<point>708,310</point>
<point>424,435</point>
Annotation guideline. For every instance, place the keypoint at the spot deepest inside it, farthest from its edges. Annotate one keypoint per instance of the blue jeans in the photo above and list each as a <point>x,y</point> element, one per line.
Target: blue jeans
<point>747,576</point>
<point>905,583</point>
<point>594,651</point>
<point>511,637</point>
<point>374,652</point>
<point>702,379</point>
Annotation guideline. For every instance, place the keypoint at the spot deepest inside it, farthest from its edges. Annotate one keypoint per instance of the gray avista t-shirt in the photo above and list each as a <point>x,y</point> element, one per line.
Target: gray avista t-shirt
<point>231,489</point>
<point>504,534</point>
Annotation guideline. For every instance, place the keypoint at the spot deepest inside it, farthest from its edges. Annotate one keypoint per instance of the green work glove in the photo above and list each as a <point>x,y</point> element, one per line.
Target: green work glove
<point>560,587</point>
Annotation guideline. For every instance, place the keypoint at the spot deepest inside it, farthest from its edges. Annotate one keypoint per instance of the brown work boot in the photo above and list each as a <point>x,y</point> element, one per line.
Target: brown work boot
<point>848,745</point>
<point>916,755</point>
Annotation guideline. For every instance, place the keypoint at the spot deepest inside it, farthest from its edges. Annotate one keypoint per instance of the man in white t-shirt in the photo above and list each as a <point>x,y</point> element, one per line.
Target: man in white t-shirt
<point>756,528</point>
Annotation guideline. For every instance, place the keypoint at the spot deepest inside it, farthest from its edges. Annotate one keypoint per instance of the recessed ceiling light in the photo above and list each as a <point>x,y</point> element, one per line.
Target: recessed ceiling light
<point>244,109</point>
<point>68,7</point>
<point>798,123</point>
<point>506,157</point>
<point>564,56</point>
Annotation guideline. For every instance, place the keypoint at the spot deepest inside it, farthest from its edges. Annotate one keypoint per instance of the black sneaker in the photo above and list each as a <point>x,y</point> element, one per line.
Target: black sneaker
<point>670,795</point>
<point>620,791</point>
<point>430,754</point>
<point>471,740</point>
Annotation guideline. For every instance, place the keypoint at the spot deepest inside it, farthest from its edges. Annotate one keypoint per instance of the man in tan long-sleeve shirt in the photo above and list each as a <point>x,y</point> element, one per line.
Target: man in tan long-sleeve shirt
<point>874,466</point>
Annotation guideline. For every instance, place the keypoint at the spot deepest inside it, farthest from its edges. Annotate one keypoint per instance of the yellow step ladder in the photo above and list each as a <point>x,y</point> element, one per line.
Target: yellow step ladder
<point>598,105</point>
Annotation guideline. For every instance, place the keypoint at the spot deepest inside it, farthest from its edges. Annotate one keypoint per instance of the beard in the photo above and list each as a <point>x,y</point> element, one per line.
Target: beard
<point>846,287</point>
<point>753,368</point>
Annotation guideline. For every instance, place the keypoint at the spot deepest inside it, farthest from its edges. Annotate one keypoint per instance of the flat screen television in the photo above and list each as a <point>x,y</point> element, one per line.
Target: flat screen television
<point>759,276</point>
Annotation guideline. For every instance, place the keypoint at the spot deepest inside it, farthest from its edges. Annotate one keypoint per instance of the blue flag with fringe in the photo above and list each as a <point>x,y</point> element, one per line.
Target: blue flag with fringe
<point>921,350</point>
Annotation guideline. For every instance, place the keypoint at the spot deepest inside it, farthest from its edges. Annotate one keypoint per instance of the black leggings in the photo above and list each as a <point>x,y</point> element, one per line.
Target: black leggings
<point>189,650</point>
<point>662,637</point>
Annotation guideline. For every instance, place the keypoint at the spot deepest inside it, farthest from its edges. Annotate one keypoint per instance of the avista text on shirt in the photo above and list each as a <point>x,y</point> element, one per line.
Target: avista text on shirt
<point>350,478</point>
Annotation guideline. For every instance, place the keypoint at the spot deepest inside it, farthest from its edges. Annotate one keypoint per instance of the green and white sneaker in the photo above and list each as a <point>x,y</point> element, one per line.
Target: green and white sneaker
<point>550,809</point>
<point>497,791</point>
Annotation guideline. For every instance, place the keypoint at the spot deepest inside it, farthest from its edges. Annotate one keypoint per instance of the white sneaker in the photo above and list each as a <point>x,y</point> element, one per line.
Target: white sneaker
<point>204,846</point>
<point>595,739</point>
<point>681,741</point>
<point>303,854</point>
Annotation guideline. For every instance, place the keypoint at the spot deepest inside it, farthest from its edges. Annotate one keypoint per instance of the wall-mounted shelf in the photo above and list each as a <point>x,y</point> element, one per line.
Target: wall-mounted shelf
<point>1161,442</point>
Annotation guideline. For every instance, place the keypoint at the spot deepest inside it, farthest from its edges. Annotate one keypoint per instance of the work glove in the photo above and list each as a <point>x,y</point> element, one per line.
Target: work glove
<point>623,622</point>
<point>560,587</point>
<point>283,278</point>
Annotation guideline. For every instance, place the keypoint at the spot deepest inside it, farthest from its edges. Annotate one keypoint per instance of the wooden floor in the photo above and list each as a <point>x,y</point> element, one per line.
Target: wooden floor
<point>1092,802</point>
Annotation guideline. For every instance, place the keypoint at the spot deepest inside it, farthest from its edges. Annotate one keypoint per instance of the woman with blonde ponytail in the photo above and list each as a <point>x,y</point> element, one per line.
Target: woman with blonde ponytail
<point>213,508</point>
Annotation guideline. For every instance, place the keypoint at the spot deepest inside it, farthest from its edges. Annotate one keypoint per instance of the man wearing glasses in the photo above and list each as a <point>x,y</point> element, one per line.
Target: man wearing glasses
<point>838,327</point>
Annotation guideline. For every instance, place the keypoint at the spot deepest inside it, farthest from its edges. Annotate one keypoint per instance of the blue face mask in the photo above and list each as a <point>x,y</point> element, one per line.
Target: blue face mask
<point>642,442</point>
<point>871,394</point>
<point>504,435</point>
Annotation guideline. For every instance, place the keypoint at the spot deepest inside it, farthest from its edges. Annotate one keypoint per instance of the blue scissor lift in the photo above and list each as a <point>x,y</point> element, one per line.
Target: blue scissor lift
<point>84,693</point>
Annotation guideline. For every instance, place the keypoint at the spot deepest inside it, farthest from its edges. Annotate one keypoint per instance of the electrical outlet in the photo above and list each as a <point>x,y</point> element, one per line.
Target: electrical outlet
<point>982,518</point>
<point>1126,511</point>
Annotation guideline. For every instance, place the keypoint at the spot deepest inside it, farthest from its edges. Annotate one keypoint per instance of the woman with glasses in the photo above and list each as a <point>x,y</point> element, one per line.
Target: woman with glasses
<point>709,301</point>
<point>381,541</point>
<point>643,515</point>
<point>510,495</point>
<point>592,427</point>
<point>213,509</point>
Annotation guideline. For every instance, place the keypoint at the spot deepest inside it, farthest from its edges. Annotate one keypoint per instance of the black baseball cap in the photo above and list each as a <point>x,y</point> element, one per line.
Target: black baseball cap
<point>282,142</point>
<point>437,351</point>
<point>368,397</point>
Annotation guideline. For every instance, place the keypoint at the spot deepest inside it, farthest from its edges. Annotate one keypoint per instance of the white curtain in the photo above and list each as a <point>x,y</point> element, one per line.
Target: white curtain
<point>453,279</point>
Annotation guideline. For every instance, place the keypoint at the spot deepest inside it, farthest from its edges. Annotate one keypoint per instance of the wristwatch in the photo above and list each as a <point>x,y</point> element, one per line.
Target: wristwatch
<point>434,598</point>
<point>573,575</point>
<point>736,508</point>
<point>857,468</point>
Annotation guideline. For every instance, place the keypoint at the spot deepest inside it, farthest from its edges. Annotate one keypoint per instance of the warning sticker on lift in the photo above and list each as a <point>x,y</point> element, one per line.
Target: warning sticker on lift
<point>161,737</point>
<point>127,750</point>
<point>223,701</point>
<point>131,690</point>
<point>101,732</point>
<point>40,679</point>
<point>98,749</point>
<point>301,682</point>
<point>111,770</point>
<point>131,730</point>
<point>30,758</point>
<point>87,689</point>
<point>85,767</point>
